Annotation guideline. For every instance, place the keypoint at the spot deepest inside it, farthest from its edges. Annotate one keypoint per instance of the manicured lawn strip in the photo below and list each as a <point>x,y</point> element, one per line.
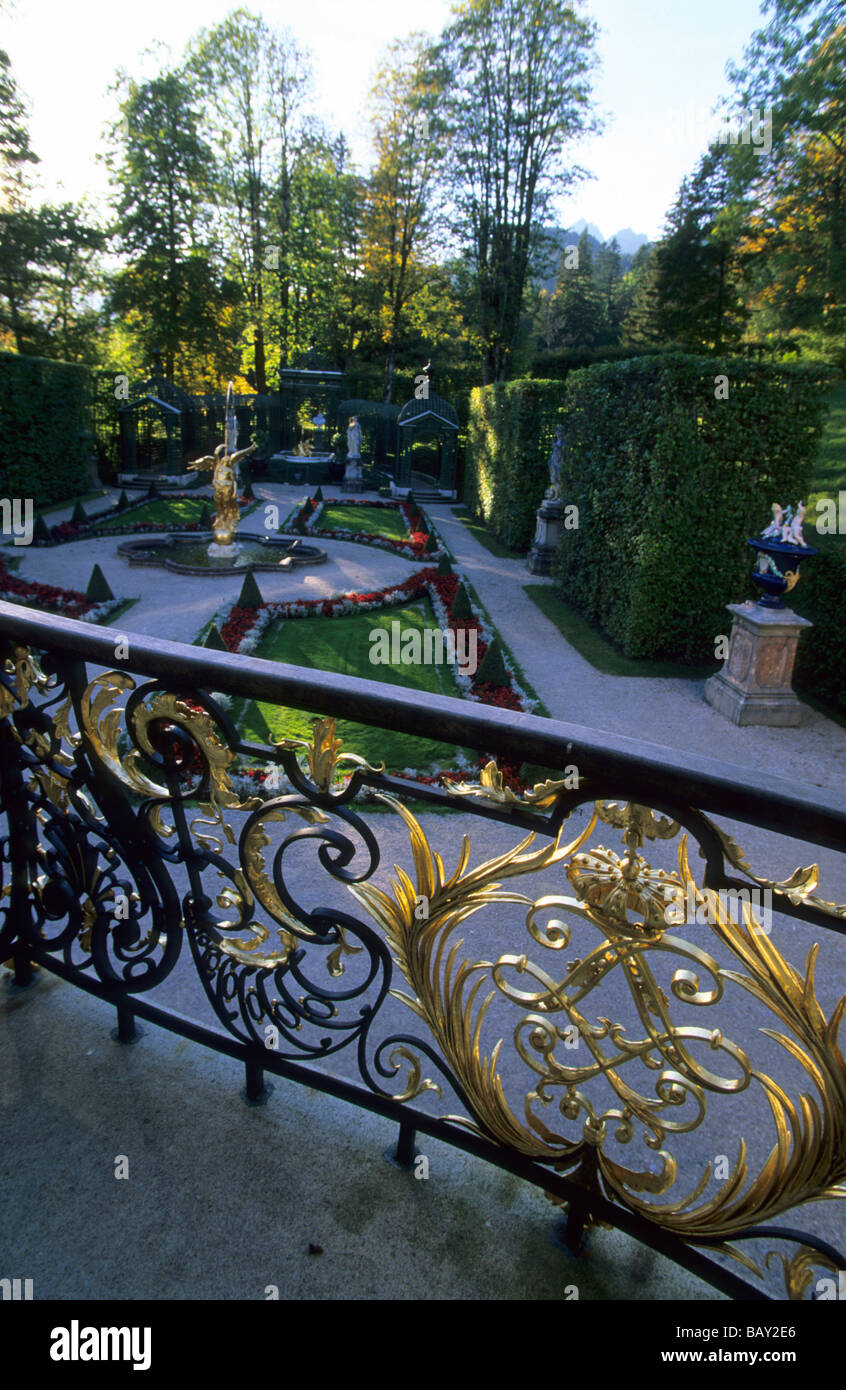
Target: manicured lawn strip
<point>342,646</point>
<point>177,513</point>
<point>600,652</point>
<point>165,511</point>
<point>118,612</point>
<point>480,532</point>
<point>376,521</point>
<point>540,707</point>
<point>312,518</point>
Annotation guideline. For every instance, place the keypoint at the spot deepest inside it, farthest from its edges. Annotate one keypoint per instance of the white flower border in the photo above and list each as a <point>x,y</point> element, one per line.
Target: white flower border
<point>92,615</point>
<point>301,608</point>
<point>364,537</point>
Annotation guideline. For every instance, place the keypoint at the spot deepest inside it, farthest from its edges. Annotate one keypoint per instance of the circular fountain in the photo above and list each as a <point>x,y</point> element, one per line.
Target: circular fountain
<point>190,553</point>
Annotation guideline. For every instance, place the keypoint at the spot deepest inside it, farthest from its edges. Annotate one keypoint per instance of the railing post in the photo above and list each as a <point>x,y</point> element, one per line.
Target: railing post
<point>257,1091</point>
<point>127,1030</point>
<point>24,974</point>
<point>404,1154</point>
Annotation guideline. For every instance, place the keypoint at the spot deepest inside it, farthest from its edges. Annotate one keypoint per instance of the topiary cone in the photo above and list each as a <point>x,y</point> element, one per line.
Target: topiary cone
<point>492,669</point>
<point>444,566</point>
<point>461,605</point>
<point>40,530</point>
<point>431,544</point>
<point>79,516</point>
<point>213,640</point>
<point>318,496</point>
<point>98,590</point>
<point>250,595</point>
<point>123,500</point>
<point>205,518</point>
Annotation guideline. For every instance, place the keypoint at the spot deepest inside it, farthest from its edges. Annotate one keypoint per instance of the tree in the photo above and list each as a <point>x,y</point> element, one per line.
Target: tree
<point>397,218</point>
<point>48,275</point>
<point>172,292</point>
<point>693,291</point>
<point>608,277</point>
<point>640,304</point>
<point>515,92</point>
<point>316,295</point>
<point>254,78</point>
<point>15,152</point>
<point>796,65</point>
<point>575,309</point>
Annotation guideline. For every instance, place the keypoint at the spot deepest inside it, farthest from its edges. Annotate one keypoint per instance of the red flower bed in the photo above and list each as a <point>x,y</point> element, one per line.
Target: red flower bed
<point>70,603</point>
<point>415,541</point>
<point>237,626</point>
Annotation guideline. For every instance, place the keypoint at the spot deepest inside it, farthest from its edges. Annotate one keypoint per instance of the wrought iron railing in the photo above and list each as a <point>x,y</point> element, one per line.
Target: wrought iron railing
<point>621,1038</point>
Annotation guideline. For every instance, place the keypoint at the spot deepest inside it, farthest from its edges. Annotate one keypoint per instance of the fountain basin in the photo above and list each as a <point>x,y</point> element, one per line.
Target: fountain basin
<point>188,553</point>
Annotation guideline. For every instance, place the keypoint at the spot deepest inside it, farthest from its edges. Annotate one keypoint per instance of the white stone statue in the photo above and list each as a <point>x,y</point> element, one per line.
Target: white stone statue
<point>354,439</point>
<point>556,462</point>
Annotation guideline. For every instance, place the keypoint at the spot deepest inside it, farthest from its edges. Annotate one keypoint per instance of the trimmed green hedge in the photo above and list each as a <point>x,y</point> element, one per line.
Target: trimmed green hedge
<point>509,441</point>
<point>45,410</point>
<point>670,482</point>
<point>821,596</point>
<point>558,364</point>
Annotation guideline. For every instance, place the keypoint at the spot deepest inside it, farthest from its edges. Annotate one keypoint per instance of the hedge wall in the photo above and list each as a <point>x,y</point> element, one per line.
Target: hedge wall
<point>45,415</point>
<point>561,361</point>
<point>821,596</point>
<point>670,481</point>
<point>509,441</point>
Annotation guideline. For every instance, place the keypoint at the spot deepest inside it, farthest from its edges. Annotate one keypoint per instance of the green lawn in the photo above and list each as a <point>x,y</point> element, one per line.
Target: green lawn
<point>480,532</point>
<point>163,511</point>
<point>342,645</point>
<point>596,649</point>
<point>376,521</point>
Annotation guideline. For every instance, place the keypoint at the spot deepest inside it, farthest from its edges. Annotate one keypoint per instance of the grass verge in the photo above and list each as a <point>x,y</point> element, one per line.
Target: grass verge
<point>597,650</point>
<point>480,532</point>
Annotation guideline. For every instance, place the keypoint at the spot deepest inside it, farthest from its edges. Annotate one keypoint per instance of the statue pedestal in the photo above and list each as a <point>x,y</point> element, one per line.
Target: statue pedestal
<point>222,552</point>
<point>754,686</point>
<point>352,475</point>
<point>545,542</point>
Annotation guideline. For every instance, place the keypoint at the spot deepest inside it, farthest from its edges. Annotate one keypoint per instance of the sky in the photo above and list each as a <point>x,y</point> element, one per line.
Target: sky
<point>662,71</point>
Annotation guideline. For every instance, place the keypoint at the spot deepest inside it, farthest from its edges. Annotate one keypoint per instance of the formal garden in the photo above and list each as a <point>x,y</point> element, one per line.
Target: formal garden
<point>419,615</point>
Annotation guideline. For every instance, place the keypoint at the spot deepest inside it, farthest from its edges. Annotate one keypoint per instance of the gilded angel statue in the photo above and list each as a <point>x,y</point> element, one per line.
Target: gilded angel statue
<point>225,489</point>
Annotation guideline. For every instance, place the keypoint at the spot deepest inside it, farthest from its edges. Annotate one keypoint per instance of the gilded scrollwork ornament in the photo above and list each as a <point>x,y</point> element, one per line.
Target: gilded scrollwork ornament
<point>625,900</point>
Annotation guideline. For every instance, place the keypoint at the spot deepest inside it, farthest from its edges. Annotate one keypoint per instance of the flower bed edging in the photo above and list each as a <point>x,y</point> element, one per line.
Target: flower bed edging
<point>309,514</point>
<point>66,603</point>
<point>66,531</point>
<point>242,628</point>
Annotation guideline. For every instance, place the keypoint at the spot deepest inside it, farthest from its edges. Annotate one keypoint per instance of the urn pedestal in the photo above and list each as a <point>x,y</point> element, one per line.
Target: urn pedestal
<point>547,532</point>
<point>754,686</point>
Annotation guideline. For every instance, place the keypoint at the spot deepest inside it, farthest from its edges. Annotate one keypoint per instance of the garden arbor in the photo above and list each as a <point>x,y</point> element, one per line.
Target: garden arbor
<point>157,432</point>
<point>310,387</point>
<point>428,433</point>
